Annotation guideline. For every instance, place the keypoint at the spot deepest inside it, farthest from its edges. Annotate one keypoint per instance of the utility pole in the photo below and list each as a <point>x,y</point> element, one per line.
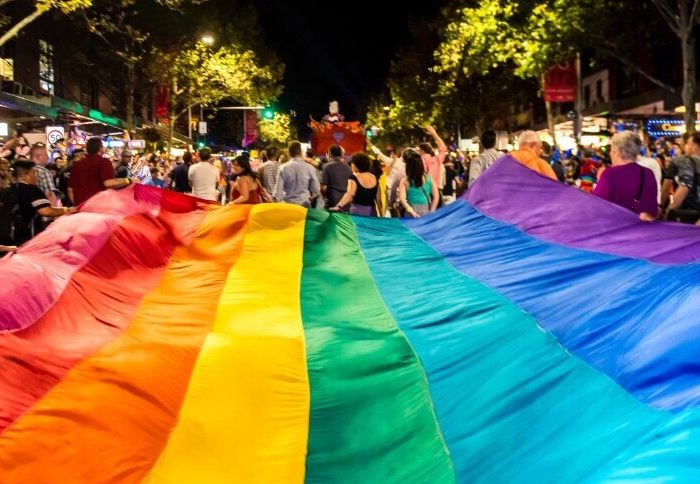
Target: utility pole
<point>201,118</point>
<point>245,131</point>
<point>459,134</point>
<point>189,122</point>
<point>578,122</point>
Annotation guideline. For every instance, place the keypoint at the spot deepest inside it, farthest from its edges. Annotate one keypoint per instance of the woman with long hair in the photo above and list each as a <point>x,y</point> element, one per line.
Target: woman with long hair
<point>362,192</point>
<point>378,171</point>
<point>246,188</point>
<point>418,193</point>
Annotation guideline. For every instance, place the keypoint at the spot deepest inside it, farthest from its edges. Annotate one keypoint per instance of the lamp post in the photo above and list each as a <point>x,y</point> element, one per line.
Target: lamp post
<point>578,122</point>
<point>207,39</point>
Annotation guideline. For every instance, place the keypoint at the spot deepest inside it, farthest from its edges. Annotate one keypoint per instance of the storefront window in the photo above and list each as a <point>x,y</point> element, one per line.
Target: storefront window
<point>46,74</point>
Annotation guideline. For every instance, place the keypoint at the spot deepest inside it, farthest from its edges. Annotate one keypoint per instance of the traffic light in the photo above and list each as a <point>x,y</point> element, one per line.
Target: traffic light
<point>369,133</point>
<point>200,145</point>
<point>268,113</point>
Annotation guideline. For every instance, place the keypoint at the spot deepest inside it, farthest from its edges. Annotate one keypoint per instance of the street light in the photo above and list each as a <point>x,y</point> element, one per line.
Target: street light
<point>207,39</point>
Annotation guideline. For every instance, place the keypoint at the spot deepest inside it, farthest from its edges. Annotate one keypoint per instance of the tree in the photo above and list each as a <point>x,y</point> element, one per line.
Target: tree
<point>452,76</point>
<point>40,7</point>
<point>411,100</point>
<point>534,34</point>
<point>682,16</point>
<point>494,34</point>
<point>199,75</point>
<point>277,131</point>
<point>114,22</point>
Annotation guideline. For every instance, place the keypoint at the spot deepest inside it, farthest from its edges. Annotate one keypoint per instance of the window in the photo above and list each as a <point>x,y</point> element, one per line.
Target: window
<point>46,74</point>
<point>88,93</point>
<point>587,96</point>
<point>599,90</point>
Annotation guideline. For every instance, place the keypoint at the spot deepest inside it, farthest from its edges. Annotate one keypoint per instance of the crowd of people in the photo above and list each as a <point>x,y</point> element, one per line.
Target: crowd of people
<point>659,181</point>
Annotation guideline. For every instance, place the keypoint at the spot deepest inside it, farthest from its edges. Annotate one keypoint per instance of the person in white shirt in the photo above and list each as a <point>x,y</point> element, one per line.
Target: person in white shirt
<point>204,177</point>
<point>654,166</point>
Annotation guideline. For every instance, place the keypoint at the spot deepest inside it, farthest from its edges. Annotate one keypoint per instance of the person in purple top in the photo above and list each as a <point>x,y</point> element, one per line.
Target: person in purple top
<point>626,183</point>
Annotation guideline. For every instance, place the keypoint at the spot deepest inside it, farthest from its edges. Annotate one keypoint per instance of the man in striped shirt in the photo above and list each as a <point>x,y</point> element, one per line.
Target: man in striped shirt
<point>44,178</point>
<point>267,173</point>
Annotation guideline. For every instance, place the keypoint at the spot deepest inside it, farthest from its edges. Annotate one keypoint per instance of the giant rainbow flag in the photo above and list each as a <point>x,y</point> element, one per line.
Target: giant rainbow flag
<point>530,333</point>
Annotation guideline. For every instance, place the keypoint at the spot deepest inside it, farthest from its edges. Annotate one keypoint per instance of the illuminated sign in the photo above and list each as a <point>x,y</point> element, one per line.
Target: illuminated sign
<point>672,128</point>
<point>119,143</point>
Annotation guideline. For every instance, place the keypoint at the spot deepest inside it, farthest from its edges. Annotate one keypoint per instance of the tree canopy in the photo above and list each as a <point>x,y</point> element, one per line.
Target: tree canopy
<point>277,131</point>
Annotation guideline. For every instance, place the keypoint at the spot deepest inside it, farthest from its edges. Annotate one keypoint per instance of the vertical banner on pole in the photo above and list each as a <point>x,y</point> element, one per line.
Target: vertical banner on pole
<point>251,127</point>
<point>560,83</point>
<point>162,111</point>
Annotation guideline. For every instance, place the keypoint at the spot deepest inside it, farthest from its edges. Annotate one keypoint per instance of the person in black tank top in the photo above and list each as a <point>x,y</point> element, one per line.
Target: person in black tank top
<point>362,199</point>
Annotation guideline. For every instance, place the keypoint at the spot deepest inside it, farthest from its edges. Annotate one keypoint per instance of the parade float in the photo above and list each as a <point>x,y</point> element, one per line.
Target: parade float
<point>334,130</point>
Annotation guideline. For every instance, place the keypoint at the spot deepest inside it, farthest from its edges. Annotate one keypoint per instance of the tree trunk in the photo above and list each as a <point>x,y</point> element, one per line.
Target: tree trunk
<point>480,124</point>
<point>171,133</point>
<point>130,90</point>
<point>550,117</point>
<point>688,94</point>
<point>146,101</point>
<point>550,123</point>
<point>171,117</point>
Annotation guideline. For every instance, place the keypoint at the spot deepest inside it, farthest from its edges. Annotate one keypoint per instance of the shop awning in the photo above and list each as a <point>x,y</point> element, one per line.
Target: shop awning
<point>18,103</point>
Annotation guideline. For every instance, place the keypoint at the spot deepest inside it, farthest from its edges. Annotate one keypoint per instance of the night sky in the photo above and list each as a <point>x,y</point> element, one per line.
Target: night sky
<point>337,50</point>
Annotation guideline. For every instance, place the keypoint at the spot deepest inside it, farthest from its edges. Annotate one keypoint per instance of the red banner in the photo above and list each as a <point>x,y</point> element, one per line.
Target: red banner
<point>162,111</point>
<point>251,127</point>
<point>560,83</point>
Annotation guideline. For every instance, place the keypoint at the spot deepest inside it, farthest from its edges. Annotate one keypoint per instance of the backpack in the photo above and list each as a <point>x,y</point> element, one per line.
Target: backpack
<point>10,216</point>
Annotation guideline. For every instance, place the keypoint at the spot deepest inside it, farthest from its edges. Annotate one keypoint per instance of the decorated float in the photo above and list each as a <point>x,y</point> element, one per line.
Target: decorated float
<point>334,130</point>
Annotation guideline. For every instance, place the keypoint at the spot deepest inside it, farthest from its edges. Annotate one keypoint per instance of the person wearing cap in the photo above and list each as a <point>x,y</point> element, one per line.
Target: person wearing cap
<point>123,170</point>
<point>92,174</point>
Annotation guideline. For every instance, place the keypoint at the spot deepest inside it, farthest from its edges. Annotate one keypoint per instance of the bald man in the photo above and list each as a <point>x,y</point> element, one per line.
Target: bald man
<point>529,152</point>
